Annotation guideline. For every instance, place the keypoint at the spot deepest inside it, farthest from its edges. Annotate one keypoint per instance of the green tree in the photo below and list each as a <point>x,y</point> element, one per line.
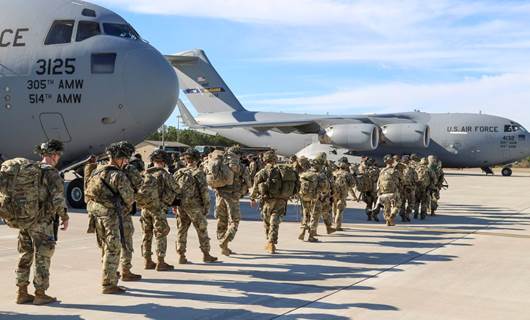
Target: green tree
<point>191,137</point>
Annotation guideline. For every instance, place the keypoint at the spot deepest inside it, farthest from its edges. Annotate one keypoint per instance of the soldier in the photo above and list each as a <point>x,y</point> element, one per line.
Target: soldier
<point>425,180</point>
<point>254,167</point>
<point>127,251</point>
<point>227,202</point>
<point>388,190</point>
<point>110,196</point>
<point>271,187</point>
<point>327,203</point>
<point>194,206</point>
<point>367,185</point>
<point>37,242</point>
<point>344,184</point>
<point>400,172</point>
<point>314,185</point>
<point>157,194</point>
<point>436,167</point>
<point>137,162</point>
<point>409,189</point>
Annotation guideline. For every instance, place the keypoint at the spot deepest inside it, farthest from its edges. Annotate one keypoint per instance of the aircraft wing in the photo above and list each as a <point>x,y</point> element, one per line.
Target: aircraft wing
<point>305,127</point>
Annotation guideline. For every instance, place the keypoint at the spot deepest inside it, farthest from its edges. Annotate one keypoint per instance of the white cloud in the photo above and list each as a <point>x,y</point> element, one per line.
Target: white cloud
<point>506,95</point>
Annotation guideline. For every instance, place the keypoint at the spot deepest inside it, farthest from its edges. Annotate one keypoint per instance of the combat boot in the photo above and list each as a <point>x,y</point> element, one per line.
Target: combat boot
<point>330,229</point>
<point>302,235</point>
<point>423,216</point>
<point>224,249</point>
<point>271,248</point>
<point>113,290</point>
<point>127,275</point>
<point>312,238</point>
<point>23,296</point>
<point>41,298</point>
<point>415,215</point>
<point>207,258</point>
<point>369,215</point>
<point>182,259</point>
<point>403,218</point>
<point>163,266</point>
<point>149,264</point>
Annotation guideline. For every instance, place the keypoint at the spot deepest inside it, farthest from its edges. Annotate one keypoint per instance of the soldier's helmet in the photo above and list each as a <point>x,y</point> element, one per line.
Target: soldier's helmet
<point>388,159</point>
<point>424,161</point>
<point>159,155</point>
<point>50,147</point>
<point>370,161</point>
<point>122,149</point>
<point>293,158</point>
<point>397,157</point>
<point>193,154</point>
<point>432,158</point>
<point>414,157</point>
<point>343,163</point>
<point>236,149</point>
<point>304,163</point>
<point>270,156</point>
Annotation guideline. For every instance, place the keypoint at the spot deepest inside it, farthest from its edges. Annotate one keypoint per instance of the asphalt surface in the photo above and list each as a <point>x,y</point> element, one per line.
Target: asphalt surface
<point>469,261</point>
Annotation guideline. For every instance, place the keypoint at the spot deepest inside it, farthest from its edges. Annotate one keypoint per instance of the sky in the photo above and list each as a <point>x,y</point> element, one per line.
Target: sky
<point>353,56</point>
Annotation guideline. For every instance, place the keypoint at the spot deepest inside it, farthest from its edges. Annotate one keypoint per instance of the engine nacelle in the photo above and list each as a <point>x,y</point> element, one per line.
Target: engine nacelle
<point>358,137</point>
<point>407,135</point>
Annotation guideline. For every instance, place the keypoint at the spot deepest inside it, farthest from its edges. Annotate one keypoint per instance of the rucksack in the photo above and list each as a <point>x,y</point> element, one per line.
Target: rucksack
<point>20,181</point>
<point>151,193</point>
<point>423,176</point>
<point>341,185</point>
<point>282,182</point>
<point>218,172</point>
<point>186,179</point>
<point>309,186</point>
<point>387,181</point>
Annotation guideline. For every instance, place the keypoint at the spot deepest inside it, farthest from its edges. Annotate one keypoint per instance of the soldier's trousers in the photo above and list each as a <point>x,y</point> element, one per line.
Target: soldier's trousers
<point>424,202</point>
<point>272,213</point>
<point>305,221</point>
<point>127,253</point>
<point>154,223</point>
<point>408,203</point>
<point>370,198</point>
<point>228,216</point>
<point>35,243</point>
<point>435,196</point>
<point>327,214</point>
<point>391,204</point>
<point>108,228</point>
<point>315,215</point>
<point>186,217</point>
<point>338,207</point>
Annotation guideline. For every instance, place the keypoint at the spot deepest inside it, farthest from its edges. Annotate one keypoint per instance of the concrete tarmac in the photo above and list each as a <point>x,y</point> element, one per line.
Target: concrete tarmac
<point>469,262</point>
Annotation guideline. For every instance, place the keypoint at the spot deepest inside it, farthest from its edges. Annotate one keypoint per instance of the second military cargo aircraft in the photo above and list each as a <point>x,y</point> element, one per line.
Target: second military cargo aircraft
<point>460,140</point>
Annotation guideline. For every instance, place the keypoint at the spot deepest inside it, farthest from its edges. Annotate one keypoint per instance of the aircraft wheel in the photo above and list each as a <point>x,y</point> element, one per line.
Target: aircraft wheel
<point>75,194</point>
<point>507,172</point>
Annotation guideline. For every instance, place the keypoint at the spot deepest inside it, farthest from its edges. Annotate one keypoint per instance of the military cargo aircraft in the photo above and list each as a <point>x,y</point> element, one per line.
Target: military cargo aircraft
<point>79,73</point>
<point>460,140</point>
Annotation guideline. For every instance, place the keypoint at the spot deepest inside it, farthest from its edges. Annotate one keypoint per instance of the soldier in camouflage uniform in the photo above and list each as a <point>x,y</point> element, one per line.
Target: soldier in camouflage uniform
<point>439,177</point>
<point>425,182</point>
<point>227,202</point>
<point>344,185</point>
<point>194,206</point>
<point>367,185</point>
<point>157,194</point>
<point>37,242</point>
<point>327,202</point>
<point>400,169</point>
<point>388,191</point>
<point>314,187</point>
<point>272,209</point>
<point>409,189</point>
<point>110,196</point>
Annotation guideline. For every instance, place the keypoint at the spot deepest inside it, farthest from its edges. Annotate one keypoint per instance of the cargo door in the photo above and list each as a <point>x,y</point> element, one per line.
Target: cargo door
<point>54,127</point>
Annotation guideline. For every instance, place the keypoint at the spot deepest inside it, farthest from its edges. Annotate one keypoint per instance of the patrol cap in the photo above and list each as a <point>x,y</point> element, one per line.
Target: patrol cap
<point>195,155</point>
<point>50,147</point>
<point>159,155</point>
<point>270,156</point>
<point>122,149</point>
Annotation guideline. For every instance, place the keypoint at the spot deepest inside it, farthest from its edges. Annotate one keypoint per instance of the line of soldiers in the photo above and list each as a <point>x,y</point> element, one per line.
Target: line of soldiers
<point>114,187</point>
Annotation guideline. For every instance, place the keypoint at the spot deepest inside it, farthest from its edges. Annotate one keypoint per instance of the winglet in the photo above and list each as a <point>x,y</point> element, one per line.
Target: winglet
<point>187,117</point>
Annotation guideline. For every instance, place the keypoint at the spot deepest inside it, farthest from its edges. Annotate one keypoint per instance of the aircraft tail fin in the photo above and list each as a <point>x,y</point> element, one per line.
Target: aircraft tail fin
<point>201,83</point>
<point>186,115</point>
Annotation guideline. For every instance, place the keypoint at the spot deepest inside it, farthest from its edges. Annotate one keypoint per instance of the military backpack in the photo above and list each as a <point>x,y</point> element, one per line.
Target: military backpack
<point>282,183</point>
<point>20,182</point>
<point>388,181</point>
<point>424,179</point>
<point>218,172</point>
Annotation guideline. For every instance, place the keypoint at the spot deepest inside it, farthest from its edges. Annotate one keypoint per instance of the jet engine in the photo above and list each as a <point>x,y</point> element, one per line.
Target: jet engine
<point>358,137</point>
<point>407,135</point>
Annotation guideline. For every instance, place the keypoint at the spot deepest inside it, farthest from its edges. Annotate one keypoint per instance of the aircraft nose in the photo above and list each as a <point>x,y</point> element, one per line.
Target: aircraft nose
<point>151,87</point>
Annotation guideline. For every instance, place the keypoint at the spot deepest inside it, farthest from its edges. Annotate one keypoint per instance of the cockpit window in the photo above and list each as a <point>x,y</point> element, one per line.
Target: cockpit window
<point>120,30</point>
<point>514,127</point>
<point>60,32</point>
<point>87,29</point>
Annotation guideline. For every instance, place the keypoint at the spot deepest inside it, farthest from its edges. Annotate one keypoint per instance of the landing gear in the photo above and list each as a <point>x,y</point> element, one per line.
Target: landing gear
<point>487,171</point>
<point>507,172</point>
<point>75,194</point>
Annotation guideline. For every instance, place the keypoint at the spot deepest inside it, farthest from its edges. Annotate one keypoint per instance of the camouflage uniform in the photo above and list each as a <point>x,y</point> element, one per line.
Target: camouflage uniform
<point>409,190</point>
<point>154,211</point>
<point>227,203</point>
<point>425,182</point>
<point>102,205</point>
<point>344,184</point>
<point>327,198</point>
<point>368,176</point>
<point>37,242</point>
<point>194,209</point>
<point>388,191</point>
<point>318,187</point>
<point>439,177</point>
<point>128,227</point>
